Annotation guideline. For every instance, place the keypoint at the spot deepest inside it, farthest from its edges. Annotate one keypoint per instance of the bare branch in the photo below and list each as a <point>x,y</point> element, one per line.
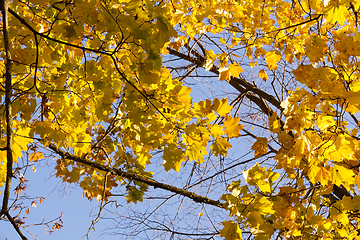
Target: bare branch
<point>137,177</point>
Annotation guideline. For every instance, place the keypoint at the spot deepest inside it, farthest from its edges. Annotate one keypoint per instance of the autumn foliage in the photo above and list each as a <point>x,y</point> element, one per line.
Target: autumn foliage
<point>104,90</point>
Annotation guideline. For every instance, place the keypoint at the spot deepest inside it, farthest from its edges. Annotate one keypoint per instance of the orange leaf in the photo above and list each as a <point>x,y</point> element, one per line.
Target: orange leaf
<point>260,146</point>
<point>263,75</point>
<point>36,156</point>
<point>224,74</point>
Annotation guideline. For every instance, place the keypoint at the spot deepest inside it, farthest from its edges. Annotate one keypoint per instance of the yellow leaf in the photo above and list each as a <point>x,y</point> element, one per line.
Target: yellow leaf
<point>231,231</point>
<point>216,131</point>
<point>337,14</point>
<point>319,174</point>
<point>224,74</point>
<point>348,203</point>
<point>220,146</point>
<point>232,126</point>
<point>264,186</point>
<point>196,152</point>
<point>144,158</point>
<point>324,122</point>
<point>235,69</point>
<point>184,94</point>
<point>221,107</point>
<point>343,218</point>
<point>357,37</point>
<point>272,58</point>
<point>357,181</point>
<point>173,157</point>
<point>261,177</point>
<point>355,86</point>
<point>255,220</point>
<point>266,206</point>
<point>210,58</point>
<point>209,64</point>
<point>260,146</point>
<point>342,176</point>
<point>274,123</point>
<point>70,32</point>
<point>263,75</point>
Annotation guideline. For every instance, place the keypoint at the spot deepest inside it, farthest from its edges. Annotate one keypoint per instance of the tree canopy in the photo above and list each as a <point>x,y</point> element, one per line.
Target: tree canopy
<point>245,112</point>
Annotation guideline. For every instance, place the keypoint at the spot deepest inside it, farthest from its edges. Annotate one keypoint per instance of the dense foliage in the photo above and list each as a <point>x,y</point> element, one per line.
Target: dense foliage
<point>108,89</point>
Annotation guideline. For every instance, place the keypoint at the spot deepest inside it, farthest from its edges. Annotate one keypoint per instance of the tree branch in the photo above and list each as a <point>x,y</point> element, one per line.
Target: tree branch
<point>54,39</point>
<point>8,119</point>
<point>15,225</point>
<point>137,177</point>
<point>4,4</point>
<point>239,84</point>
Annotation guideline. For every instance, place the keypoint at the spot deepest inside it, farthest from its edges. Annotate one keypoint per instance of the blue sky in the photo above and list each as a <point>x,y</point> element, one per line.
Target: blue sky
<point>58,199</point>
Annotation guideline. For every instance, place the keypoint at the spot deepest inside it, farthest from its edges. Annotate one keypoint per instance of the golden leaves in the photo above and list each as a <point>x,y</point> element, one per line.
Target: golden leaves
<point>210,59</point>
<point>324,122</point>
<point>319,174</point>
<point>315,48</point>
<point>155,112</point>
<point>261,177</point>
<point>274,123</point>
<point>196,152</point>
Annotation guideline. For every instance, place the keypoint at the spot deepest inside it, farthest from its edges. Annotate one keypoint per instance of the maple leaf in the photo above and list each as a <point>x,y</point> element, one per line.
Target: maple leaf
<point>210,59</point>
<point>232,126</point>
<point>324,122</point>
<point>230,231</point>
<point>36,156</point>
<point>319,174</point>
<point>336,14</point>
<point>172,158</point>
<point>272,58</point>
<point>261,177</point>
<point>166,30</point>
<point>224,74</point>
<point>342,176</point>
<point>221,107</point>
<point>217,131</point>
<point>196,152</point>
<point>134,195</point>
<point>220,146</point>
<point>235,69</point>
<point>260,146</point>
